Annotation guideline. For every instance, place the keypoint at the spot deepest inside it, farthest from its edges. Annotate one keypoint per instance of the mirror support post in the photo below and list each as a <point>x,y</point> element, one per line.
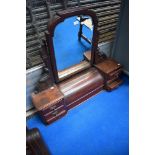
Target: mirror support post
<point>49,40</point>
<point>46,59</point>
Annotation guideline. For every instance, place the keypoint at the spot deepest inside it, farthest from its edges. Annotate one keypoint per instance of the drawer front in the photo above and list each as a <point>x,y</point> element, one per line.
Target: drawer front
<point>51,108</point>
<point>81,93</point>
<point>76,89</point>
<point>116,72</point>
<point>112,78</point>
<point>52,119</point>
<point>54,113</point>
<point>114,84</point>
<point>83,98</point>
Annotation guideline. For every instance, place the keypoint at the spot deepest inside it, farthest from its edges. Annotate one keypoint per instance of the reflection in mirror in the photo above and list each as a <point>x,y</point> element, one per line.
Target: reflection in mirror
<point>72,38</point>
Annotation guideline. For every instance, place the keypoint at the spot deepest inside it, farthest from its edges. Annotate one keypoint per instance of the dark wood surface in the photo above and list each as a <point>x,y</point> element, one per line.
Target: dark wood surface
<point>114,84</point>
<point>35,144</point>
<point>54,102</point>
<point>85,97</point>
<point>108,66</point>
<point>82,86</point>
<point>111,71</point>
<point>50,104</point>
<point>56,117</point>
<point>46,98</point>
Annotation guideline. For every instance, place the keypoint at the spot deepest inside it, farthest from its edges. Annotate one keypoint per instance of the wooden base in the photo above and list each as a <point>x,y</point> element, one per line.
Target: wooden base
<point>82,86</point>
<point>54,102</point>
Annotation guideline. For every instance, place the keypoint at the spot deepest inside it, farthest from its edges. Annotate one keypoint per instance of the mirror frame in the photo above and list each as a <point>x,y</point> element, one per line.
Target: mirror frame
<point>61,16</point>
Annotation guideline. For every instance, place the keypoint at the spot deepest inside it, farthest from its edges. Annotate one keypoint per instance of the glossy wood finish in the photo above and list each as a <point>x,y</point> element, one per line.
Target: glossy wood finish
<point>50,104</point>
<point>61,16</point>
<point>34,143</point>
<point>54,102</point>
<point>113,85</point>
<point>45,55</point>
<point>82,86</point>
<point>111,70</point>
<point>46,98</point>
<point>108,66</point>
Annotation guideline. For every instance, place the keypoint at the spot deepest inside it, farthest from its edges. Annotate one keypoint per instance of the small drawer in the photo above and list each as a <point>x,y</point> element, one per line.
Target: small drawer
<point>116,72</point>
<point>54,112</point>
<point>51,108</point>
<point>114,84</point>
<point>112,78</point>
<point>52,119</point>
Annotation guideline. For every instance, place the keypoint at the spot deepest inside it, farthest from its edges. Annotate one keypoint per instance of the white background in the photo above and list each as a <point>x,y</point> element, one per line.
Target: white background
<point>13,80</point>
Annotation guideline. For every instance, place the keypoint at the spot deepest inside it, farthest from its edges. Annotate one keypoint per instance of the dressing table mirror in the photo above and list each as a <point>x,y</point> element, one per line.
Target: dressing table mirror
<point>70,35</point>
<point>71,49</point>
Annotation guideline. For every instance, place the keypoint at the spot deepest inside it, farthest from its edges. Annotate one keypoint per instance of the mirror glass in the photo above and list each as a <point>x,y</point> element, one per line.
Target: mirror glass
<point>72,38</point>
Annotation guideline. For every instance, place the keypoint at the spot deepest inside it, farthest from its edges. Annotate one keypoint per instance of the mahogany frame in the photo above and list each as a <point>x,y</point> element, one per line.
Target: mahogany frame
<point>61,16</point>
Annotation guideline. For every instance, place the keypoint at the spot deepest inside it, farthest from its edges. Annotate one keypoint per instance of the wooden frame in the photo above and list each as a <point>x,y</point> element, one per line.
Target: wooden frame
<point>61,16</point>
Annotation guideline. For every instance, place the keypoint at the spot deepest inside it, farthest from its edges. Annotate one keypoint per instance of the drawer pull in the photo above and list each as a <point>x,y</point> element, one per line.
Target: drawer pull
<point>55,113</point>
<point>53,107</point>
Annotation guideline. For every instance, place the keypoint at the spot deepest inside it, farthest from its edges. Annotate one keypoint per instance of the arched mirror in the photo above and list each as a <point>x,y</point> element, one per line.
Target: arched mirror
<point>72,34</point>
